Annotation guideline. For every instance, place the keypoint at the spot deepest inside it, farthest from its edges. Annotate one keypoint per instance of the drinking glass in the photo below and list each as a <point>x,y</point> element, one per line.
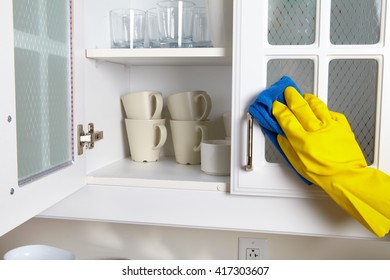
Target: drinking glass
<point>175,21</point>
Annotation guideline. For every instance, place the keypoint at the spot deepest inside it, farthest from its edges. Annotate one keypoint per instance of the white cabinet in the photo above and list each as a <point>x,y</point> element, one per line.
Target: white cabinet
<point>100,76</point>
<point>337,50</point>
<point>115,189</point>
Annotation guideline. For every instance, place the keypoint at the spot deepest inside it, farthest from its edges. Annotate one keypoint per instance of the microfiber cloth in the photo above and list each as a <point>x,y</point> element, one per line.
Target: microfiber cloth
<point>261,111</point>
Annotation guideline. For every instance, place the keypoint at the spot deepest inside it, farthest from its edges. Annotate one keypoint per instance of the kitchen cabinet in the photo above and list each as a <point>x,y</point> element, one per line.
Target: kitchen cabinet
<point>104,184</point>
<point>100,77</point>
<point>335,49</point>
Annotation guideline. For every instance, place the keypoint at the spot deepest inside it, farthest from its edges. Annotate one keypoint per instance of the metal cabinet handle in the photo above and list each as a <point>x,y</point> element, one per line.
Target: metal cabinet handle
<point>249,142</point>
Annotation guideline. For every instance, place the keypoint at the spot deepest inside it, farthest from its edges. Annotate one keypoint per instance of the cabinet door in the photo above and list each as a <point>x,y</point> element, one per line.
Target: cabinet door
<point>335,49</point>
<point>38,108</point>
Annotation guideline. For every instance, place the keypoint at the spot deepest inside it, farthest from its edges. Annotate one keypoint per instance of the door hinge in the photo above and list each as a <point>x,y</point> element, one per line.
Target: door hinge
<point>87,139</point>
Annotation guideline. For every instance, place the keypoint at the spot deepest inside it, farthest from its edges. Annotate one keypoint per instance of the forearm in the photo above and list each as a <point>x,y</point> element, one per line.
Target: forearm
<point>365,194</point>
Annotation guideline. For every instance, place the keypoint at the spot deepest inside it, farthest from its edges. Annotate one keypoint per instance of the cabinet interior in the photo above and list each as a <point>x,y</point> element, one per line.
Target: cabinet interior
<point>215,80</point>
<point>270,188</point>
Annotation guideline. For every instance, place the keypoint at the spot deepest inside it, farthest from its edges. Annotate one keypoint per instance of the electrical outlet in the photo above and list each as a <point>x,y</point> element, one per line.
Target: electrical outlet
<point>252,249</point>
<point>252,254</point>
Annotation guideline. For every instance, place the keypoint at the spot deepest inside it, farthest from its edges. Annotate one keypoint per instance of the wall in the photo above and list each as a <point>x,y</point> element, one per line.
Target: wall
<point>96,240</point>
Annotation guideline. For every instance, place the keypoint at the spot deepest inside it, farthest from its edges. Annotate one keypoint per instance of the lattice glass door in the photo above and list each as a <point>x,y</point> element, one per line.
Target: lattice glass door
<point>43,86</point>
<point>352,81</point>
<point>335,49</point>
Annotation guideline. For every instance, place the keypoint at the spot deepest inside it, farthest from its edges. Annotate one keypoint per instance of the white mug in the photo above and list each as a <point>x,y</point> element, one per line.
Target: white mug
<point>146,137</point>
<point>187,137</point>
<point>215,157</point>
<point>189,105</point>
<point>143,105</point>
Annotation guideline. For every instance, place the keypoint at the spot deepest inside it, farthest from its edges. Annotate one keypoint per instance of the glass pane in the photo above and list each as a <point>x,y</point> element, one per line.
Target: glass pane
<point>353,92</point>
<point>291,22</point>
<point>43,86</point>
<point>302,72</point>
<point>355,22</point>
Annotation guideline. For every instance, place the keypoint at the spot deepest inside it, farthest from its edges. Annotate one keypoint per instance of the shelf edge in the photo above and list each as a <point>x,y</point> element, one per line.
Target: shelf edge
<point>177,56</point>
<point>165,184</point>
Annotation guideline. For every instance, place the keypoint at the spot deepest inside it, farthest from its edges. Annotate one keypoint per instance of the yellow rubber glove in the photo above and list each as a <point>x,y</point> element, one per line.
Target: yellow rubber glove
<point>322,148</point>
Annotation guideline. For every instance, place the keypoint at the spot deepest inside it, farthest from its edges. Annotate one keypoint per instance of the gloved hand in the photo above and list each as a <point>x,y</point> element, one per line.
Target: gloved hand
<point>322,148</point>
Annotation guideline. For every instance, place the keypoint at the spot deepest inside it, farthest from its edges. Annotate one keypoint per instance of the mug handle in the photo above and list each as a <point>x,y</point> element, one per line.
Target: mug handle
<point>159,105</point>
<point>207,102</point>
<point>163,136</point>
<point>204,135</point>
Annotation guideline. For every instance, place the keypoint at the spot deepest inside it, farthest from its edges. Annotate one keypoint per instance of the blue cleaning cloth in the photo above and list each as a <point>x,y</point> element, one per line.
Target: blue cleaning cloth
<point>261,111</point>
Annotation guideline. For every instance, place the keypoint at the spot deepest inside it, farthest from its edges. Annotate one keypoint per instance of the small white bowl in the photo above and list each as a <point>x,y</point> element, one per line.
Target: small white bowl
<point>38,252</point>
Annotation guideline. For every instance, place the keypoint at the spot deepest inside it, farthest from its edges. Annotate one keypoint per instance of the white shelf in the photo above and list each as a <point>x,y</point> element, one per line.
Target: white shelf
<point>165,173</point>
<point>164,56</point>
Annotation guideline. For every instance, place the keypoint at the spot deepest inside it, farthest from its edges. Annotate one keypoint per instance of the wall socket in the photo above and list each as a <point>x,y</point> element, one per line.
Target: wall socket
<point>252,249</point>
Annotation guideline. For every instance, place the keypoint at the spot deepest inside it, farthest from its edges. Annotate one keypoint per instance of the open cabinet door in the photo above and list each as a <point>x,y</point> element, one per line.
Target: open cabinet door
<point>41,103</point>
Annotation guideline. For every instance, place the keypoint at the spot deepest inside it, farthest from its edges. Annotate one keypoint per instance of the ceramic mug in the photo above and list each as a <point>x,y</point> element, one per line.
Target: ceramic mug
<point>146,137</point>
<point>187,137</point>
<point>189,105</point>
<point>143,105</point>
<point>215,157</point>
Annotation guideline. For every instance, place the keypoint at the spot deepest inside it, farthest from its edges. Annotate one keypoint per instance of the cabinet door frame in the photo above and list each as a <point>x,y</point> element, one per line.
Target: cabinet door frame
<point>250,78</point>
<point>20,203</point>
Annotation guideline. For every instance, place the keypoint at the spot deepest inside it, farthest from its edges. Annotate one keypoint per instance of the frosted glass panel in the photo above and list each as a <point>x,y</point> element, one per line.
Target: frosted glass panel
<point>355,22</point>
<point>302,72</point>
<point>43,87</point>
<point>291,22</point>
<point>353,91</point>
